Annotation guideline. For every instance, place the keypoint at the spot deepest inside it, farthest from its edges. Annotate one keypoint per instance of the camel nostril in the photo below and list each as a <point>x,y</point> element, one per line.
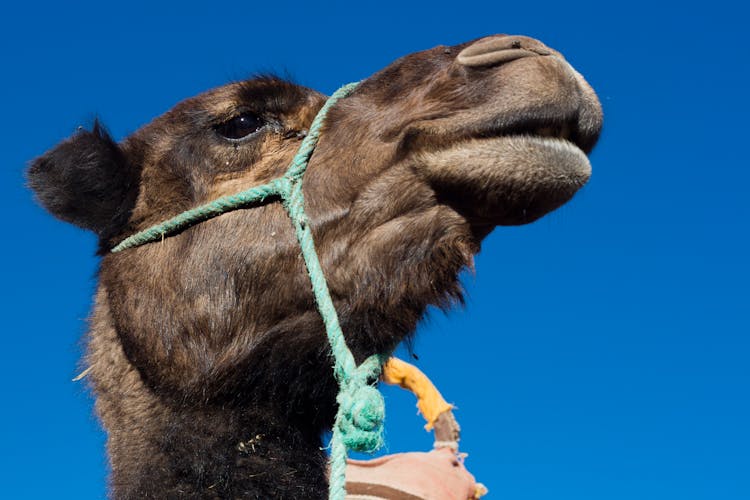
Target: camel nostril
<point>498,50</point>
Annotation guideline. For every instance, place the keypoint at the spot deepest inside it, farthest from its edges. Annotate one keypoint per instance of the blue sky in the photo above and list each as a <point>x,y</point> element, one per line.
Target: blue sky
<point>603,351</point>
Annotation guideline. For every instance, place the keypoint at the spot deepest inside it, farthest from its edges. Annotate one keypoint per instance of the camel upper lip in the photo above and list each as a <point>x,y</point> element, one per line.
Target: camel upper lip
<point>569,121</point>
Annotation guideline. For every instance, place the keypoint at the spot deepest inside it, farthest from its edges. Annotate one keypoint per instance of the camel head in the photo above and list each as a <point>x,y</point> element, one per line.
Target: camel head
<point>412,170</point>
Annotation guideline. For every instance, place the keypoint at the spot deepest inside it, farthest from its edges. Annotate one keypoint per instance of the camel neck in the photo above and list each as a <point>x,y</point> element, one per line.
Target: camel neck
<point>216,453</point>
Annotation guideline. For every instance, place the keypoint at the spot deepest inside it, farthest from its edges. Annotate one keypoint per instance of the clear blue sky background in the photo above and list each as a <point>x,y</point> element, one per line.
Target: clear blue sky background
<point>603,351</point>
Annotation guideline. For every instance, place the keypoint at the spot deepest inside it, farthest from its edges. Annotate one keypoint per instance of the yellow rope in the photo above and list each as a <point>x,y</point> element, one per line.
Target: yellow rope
<point>429,400</point>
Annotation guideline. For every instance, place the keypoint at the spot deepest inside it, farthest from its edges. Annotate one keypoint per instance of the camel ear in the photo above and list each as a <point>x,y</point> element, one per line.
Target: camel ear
<point>86,180</point>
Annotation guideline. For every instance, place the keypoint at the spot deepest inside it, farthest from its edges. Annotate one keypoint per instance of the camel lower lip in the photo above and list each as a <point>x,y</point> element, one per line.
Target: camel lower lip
<point>554,145</point>
<point>551,140</point>
<point>561,153</point>
<point>557,158</point>
<point>510,179</point>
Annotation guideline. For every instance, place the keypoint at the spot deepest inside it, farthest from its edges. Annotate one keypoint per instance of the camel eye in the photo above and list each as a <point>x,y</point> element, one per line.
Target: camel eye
<point>240,126</point>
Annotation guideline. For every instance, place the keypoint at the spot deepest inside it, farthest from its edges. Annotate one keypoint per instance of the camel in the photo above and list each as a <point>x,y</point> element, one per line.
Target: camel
<point>205,351</point>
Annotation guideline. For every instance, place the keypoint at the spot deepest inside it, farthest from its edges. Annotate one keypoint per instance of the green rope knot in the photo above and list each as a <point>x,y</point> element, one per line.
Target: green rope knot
<point>361,416</point>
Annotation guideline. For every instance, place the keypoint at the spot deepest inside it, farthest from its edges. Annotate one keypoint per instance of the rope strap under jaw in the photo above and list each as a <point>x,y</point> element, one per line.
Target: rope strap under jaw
<point>361,409</point>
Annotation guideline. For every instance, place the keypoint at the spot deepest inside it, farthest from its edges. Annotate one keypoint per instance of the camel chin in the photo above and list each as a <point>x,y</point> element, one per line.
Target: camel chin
<point>508,180</point>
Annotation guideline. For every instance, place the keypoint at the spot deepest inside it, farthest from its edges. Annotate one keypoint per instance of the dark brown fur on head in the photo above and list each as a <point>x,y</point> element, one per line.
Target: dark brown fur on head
<point>211,339</point>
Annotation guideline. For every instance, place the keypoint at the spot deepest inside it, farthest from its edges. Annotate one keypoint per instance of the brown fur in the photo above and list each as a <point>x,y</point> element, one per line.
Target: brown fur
<point>207,354</point>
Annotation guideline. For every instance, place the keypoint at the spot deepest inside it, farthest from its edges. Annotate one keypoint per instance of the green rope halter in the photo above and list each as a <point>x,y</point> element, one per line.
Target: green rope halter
<point>361,411</point>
